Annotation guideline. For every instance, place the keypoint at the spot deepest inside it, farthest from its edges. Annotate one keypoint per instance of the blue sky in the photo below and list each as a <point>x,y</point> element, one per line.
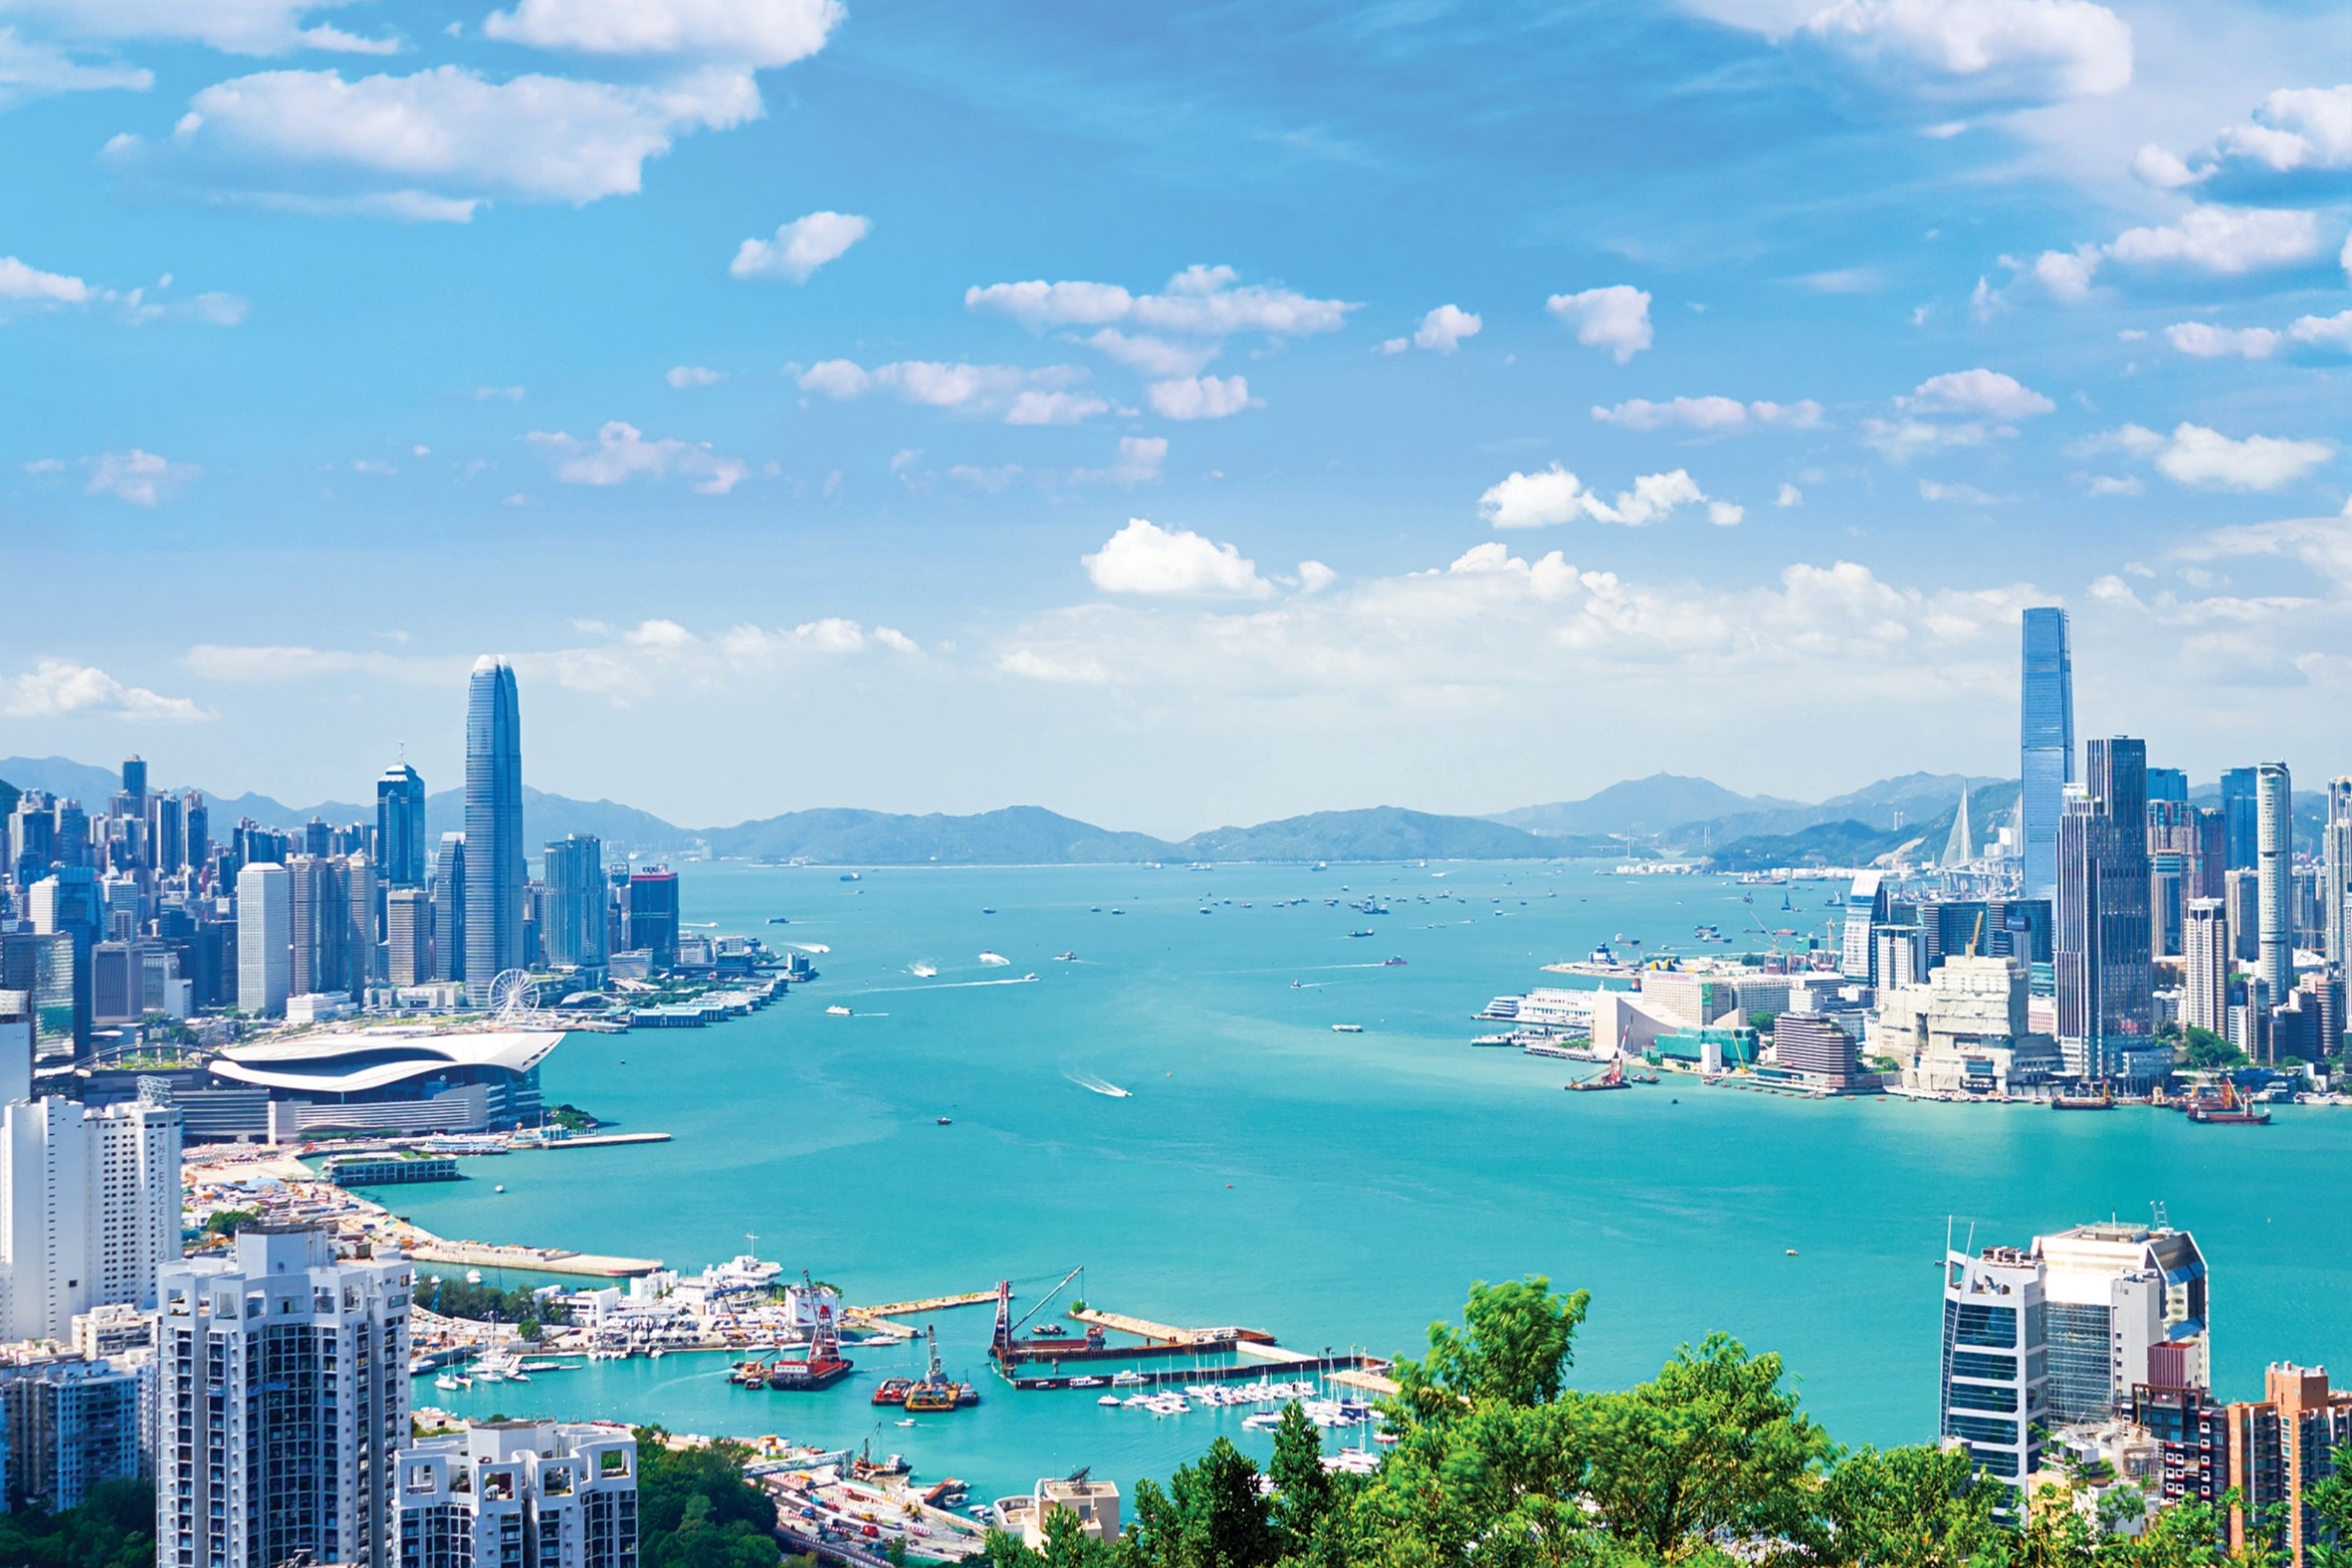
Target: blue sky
<point>1172,415</point>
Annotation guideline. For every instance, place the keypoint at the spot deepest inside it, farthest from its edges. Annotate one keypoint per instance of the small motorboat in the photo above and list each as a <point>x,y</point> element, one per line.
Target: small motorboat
<point>946,1122</point>
<point>1109,1402</point>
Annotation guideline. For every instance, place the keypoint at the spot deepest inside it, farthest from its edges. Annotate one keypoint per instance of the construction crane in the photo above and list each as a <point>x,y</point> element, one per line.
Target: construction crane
<point>1048,1296</point>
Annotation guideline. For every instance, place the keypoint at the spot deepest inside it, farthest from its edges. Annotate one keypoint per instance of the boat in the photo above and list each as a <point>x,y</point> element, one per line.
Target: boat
<point>852,876</point>
<point>1086,1383</point>
<point>1109,1402</point>
<point>820,1366</point>
<point>1117,912</point>
<point>836,1011</point>
<point>2228,1110</point>
<point>1347,1028</point>
<point>1365,932</point>
<point>1613,1078</point>
<point>2103,1102</point>
<point>892,1390</point>
<point>1393,962</point>
<point>1065,958</point>
<point>923,970</point>
<point>935,1391</point>
<point>944,1121</point>
<point>499,1188</point>
<point>1127,1380</point>
<point>453,1381</point>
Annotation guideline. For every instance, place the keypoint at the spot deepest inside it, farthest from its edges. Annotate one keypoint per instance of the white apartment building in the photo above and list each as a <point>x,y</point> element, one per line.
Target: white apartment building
<point>90,1208</point>
<point>527,1492</point>
<point>282,1396</point>
<point>1995,1378</point>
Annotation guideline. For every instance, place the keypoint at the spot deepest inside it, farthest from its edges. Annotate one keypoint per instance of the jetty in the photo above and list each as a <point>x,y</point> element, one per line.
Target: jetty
<point>425,1247</point>
<point>927,1304</point>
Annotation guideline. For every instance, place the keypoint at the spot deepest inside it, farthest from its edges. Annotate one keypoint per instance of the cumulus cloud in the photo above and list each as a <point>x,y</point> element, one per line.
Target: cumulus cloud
<point>1709,415</point>
<point>2324,331</point>
<point>1998,50</point>
<point>1200,301</point>
<point>1446,329</point>
<point>1987,393</point>
<point>1554,495</point>
<point>686,376</point>
<point>1017,394</point>
<point>2214,241</point>
<point>141,477</point>
<point>2204,459</point>
<point>1153,356</point>
<point>432,145</point>
<point>622,453</point>
<point>754,32</point>
<point>1201,397</point>
<point>1616,318</point>
<point>2207,341</point>
<point>24,284</point>
<point>1139,461</point>
<point>232,27</point>
<point>1144,558</point>
<point>2295,132</point>
<point>58,688</point>
<point>800,246</point>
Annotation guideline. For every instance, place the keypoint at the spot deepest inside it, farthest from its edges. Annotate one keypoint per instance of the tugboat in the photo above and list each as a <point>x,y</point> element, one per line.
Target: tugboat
<point>934,1390</point>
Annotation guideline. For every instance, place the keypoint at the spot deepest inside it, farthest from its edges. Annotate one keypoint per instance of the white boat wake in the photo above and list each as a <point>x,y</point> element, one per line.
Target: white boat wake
<point>809,946</point>
<point>922,969</point>
<point>1100,1084</point>
<point>993,958</point>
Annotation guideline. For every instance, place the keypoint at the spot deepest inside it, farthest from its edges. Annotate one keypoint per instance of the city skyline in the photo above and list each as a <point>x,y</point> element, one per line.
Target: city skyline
<point>1258,510</point>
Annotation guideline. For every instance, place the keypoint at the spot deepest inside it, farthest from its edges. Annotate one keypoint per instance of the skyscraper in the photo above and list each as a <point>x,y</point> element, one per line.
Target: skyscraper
<point>264,940</point>
<point>319,925</point>
<point>2273,868</point>
<point>400,826</point>
<point>134,783</point>
<point>2335,878</point>
<point>2239,818</point>
<point>495,879</point>
<point>572,906</point>
<point>2106,979</point>
<point>449,908</point>
<point>283,1396</point>
<point>90,1211</point>
<point>2205,949</point>
<point>408,936</point>
<point>2047,760</point>
<point>2114,1293</point>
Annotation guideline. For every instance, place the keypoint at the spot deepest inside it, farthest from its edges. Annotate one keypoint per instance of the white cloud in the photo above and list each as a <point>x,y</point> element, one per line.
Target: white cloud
<point>2207,341</point>
<point>1554,496</point>
<point>1710,415</point>
<point>1144,558</point>
<point>686,376</point>
<point>1201,397</point>
<point>2294,131</point>
<point>22,284</point>
<point>431,145</point>
<point>2217,241</point>
<point>30,69</point>
<point>2107,485</point>
<point>1018,395</point>
<point>1790,495</point>
<point>622,453</point>
<point>1139,461</point>
<point>57,688</point>
<point>497,394</point>
<point>1446,329</point>
<point>1000,476</point>
<point>1988,393</point>
<point>2204,459</point>
<point>1314,576</point>
<point>1969,495</point>
<point>232,27</point>
<point>142,478</point>
<point>1984,49</point>
<point>2327,332</point>
<point>1393,346</point>
<point>1153,356</point>
<point>1616,318</point>
<point>799,248</point>
<point>754,32</point>
<point>1200,301</point>
<point>2137,440</point>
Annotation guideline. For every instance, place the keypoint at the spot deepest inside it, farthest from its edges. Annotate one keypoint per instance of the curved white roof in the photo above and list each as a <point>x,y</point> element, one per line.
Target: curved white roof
<point>353,1062</point>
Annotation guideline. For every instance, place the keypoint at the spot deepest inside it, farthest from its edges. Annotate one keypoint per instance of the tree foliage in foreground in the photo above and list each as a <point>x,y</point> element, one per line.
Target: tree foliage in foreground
<point>1711,1464</point>
<point>113,1528</point>
<point>696,1509</point>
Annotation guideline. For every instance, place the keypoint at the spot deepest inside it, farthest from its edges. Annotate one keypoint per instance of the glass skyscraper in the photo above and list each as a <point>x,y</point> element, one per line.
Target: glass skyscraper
<point>400,826</point>
<point>2046,763</point>
<point>495,880</point>
<point>2107,978</point>
<point>2241,818</point>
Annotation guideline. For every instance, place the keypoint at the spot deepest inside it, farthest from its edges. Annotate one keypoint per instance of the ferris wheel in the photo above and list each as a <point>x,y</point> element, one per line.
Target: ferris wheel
<point>514,1000</point>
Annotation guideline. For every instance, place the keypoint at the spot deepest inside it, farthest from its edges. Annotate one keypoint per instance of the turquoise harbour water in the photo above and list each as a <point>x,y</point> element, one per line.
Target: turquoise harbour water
<point>1337,1190</point>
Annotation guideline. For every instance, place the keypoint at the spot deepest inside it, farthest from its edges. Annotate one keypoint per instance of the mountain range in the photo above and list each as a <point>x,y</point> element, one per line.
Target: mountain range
<point>1671,812</point>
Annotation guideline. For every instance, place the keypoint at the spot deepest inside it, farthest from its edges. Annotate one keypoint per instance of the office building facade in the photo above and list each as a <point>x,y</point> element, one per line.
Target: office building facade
<point>540,1493</point>
<point>571,902</point>
<point>2115,1295</point>
<point>265,941</point>
<point>282,1396</point>
<point>494,879</point>
<point>408,936</point>
<point>2105,965</point>
<point>1995,1382</point>
<point>2205,964</point>
<point>400,839</point>
<point>449,908</point>
<point>2046,759</point>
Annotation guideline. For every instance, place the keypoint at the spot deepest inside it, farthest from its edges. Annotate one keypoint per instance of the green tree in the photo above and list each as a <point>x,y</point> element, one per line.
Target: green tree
<point>1302,1487</point>
<point>1212,1515</point>
<point>696,1509</point>
<point>113,1528</point>
<point>2208,1052</point>
<point>1911,1507</point>
<point>1515,1347</point>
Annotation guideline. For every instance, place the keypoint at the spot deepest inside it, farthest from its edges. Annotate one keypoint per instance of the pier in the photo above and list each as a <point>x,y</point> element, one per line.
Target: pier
<point>425,1248</point>
<point>927,1304</point>
<point>1356,1371</point>
<point>1167,1333</point>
